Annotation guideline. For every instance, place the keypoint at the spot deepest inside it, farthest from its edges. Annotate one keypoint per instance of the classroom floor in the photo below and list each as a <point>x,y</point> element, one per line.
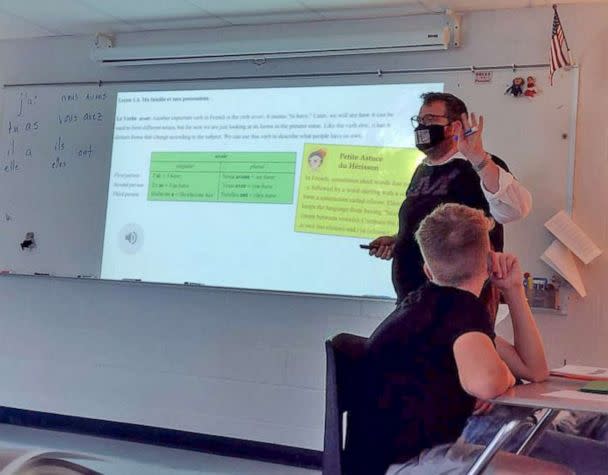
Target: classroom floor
<point>130,458</point>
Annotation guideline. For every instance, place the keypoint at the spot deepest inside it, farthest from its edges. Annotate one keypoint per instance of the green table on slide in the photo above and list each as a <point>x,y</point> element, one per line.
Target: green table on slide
<point>245,177</point>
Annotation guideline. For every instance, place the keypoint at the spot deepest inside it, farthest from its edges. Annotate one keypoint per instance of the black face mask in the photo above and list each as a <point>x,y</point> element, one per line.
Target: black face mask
<point>429,136</point>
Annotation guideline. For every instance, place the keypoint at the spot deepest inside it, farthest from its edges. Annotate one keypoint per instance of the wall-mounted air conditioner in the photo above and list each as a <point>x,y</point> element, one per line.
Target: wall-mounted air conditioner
<point>338,39</point>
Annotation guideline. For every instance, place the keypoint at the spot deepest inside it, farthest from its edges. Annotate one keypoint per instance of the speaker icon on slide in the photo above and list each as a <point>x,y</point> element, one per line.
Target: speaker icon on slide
<point>130,238</point>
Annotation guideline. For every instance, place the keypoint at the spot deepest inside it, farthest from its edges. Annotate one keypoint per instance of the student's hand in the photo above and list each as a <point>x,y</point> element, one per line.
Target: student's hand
<point>482,407</point>
<point>505,271</point>
<point>382,247</point>
<point>472,146</point>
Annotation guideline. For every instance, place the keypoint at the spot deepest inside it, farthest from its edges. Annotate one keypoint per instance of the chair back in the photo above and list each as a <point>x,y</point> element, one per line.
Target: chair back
<point>345,354</point>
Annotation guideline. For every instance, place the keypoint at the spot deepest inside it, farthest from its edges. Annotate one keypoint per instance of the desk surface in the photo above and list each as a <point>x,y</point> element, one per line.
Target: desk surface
<point>532,395</point>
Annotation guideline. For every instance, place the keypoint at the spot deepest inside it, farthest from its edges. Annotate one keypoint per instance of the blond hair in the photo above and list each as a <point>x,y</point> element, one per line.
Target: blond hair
<point>454,242</point>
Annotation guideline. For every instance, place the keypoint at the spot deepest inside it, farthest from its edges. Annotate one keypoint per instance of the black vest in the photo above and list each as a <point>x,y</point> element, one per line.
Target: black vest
<point>452,182</point>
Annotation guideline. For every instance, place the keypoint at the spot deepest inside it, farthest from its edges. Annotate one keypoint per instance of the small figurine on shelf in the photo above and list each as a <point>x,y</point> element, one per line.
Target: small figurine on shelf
<point>516,88</point>
<point>531,90</point>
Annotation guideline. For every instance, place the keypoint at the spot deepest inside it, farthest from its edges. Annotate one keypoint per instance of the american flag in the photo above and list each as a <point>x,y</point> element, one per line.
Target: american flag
<point>558,58</point>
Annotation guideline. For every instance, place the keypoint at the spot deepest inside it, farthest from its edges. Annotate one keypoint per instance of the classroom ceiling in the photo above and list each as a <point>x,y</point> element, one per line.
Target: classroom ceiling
<point>40,18</point>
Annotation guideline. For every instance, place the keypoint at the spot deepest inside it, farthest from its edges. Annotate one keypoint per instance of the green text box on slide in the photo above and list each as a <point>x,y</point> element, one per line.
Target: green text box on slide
<point>245,177</point>
<point>356,191</point>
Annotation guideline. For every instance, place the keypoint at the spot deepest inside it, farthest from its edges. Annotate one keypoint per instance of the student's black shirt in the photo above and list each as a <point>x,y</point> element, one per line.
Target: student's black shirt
<point>414,399</point>
<point>452,182</point>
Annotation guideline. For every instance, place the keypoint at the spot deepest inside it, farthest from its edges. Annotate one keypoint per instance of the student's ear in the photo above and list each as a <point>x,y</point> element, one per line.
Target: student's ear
<point>427,271</point>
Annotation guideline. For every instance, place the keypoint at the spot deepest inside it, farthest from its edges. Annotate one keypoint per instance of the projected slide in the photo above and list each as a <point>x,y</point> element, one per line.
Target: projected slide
<point>269,188</point>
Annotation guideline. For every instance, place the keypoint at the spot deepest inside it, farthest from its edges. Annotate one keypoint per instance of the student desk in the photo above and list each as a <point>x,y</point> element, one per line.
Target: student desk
<point>533,395</point>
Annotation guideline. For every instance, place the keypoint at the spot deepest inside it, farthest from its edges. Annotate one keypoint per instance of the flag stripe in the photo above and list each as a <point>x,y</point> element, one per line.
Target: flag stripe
<point>556,53</point>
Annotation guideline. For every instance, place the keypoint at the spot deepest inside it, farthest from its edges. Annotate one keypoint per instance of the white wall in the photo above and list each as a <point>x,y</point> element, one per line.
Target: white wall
<point>251,365</point>
<point>234,364</point>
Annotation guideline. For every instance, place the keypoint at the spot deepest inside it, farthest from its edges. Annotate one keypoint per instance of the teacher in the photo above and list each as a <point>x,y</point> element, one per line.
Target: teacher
<point>456,169</point>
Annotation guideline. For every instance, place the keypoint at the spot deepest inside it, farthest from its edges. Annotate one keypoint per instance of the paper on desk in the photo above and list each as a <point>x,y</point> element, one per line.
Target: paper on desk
<point>561,259</point>
<point>573,237</point>
<point>571,394</point>
<point>586,373</point>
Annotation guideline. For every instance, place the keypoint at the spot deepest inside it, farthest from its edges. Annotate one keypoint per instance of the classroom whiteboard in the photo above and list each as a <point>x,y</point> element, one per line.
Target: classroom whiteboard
<point>54,172</point>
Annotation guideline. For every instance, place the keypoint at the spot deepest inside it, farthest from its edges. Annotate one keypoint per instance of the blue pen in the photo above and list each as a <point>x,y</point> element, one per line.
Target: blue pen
<point>470,131</point>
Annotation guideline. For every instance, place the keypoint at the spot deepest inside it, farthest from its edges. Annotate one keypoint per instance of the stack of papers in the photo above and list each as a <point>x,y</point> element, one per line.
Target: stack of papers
<point>571,241</point>
<point>559,257</point>
<point>573,237</point>
<point>585,373</point>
